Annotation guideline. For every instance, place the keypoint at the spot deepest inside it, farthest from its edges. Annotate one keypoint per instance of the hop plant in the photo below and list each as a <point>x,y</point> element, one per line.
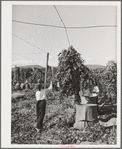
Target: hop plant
<point>69,71</point>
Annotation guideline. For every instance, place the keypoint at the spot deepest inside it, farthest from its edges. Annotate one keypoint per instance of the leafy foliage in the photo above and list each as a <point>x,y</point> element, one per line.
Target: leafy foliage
<point>32,75</point>
<point>69,71</point>
<point>16,73</point>
<point>58,123</point>
<point>107,82</point>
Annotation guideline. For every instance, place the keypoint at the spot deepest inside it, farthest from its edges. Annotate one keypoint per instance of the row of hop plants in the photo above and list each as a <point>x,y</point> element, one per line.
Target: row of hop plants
<point>107,82</point>
<point>74,76</point>
<point>32,75</point>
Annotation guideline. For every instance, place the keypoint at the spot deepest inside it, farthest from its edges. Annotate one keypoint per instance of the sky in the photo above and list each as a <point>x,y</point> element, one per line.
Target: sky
<point>30,43</point>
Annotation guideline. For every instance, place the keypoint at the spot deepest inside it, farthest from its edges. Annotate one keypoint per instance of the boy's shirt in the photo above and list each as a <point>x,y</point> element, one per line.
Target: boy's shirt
<point>40,95</point>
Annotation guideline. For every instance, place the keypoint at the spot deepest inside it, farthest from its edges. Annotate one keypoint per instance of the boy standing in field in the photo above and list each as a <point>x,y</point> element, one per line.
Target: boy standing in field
<point>41,97</point>
<point>40,107</point>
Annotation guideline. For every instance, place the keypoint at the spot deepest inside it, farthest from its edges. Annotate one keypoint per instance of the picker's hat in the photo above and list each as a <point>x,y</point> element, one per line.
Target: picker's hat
<point>86,93</point>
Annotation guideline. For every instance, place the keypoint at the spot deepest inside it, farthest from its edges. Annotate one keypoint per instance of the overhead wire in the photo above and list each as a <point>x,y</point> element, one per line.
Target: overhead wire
<point>54,26</point>
<point>27,41</point>
<point>26,53</point>
<point>37,24</point>
<point>63,24</point>
<point>21,56</point>
<point>67,27</point>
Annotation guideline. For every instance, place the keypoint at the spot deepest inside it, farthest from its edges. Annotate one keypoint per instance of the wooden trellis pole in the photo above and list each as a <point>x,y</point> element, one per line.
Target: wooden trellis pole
<point>52,72</point>
<point>46,69</point>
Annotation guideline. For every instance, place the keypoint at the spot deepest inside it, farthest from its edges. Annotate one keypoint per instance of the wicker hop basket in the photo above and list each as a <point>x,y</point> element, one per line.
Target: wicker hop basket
<point>86,115</point>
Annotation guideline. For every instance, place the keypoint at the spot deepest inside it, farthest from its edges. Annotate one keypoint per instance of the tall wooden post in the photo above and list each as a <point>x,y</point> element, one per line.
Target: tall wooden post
<point>45,84</point>
<point>52,73</point>
<point>52,79</point>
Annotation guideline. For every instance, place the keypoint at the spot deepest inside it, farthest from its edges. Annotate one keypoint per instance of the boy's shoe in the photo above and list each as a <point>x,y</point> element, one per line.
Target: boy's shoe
<point>38,130</point>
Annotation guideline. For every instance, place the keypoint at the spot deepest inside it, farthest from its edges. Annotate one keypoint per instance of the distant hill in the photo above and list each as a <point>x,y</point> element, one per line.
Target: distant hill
<point>29,66</point>
<point>90,66</point>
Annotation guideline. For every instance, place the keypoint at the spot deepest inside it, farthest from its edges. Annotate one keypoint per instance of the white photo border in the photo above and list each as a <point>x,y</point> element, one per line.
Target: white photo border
<point>6,56</point>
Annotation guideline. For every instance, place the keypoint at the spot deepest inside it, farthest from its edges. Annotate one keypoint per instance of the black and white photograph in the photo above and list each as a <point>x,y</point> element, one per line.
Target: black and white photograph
<point>61,74</point>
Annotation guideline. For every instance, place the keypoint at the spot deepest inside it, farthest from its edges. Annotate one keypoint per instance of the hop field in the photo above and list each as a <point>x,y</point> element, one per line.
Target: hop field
<point>58,124</point>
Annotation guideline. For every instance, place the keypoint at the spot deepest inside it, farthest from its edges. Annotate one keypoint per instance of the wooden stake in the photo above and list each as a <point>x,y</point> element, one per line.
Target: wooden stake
<point>46,69</point>
<point>52,73</point>
<point>52,79</point>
